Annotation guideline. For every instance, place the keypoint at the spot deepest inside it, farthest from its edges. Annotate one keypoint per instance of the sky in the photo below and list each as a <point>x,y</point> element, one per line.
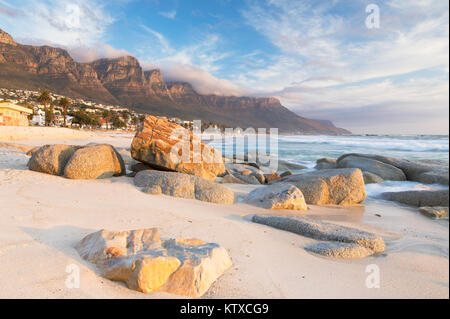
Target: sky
<point>369,66</point>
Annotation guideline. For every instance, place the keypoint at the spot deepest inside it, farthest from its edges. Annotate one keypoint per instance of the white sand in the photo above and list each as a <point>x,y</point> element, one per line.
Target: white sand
<point>43,216</point>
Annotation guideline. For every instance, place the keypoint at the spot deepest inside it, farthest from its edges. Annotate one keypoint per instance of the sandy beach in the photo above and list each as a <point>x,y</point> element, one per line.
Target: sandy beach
<point>42,217</point>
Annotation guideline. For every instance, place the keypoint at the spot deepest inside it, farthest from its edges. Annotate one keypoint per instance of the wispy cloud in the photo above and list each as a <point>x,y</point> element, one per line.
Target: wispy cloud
<point>169,15</point>
<point>328,61</point>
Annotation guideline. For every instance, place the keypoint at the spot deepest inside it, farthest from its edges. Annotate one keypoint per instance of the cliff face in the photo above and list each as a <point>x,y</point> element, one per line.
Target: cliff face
<point>123,80</point>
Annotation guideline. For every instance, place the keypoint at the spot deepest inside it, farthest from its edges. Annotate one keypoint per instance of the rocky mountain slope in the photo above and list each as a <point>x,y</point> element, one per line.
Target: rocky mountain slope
<point>123,81</point>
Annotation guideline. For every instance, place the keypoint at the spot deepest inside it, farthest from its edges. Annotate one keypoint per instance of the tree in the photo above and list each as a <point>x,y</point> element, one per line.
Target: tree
<point>49,116</point>
<point>65,103</point>
<point>107,117</point>
<point>45,99</point>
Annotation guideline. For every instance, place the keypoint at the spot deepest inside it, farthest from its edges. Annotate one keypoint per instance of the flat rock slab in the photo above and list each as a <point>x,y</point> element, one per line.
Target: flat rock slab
<point>146,263</point>
<point>183,186</point>
<point>339,250</point>
<point>419,198</point>
<point>323,231</point>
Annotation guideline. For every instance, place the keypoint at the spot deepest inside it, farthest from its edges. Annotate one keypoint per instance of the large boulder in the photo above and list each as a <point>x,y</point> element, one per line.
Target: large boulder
<point>94,162</point>
<point>370,178</point>
<point>183,186</point>
<point>51,159</point>
<point>419,198</point>
<point>326,163</point>
<point>277,196</point>
<point>168,146</point>
<point>285,166</point>
<point>330,186</point>
<point>143,261</point>
<point>423,171</point>
<point>383,170</point>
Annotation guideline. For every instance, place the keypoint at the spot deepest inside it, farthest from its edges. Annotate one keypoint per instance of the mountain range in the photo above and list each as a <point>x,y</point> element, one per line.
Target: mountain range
<point>123,81</point>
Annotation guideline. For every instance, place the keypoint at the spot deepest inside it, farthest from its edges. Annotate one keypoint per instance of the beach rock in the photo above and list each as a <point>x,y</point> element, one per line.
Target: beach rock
<point>419,198</point>
<point>95,162</point>
<point>168,146</point>
<point>260,177</point>
<point>326,163</point>
<point>248,179</point>
<point>423,171</point>
<point>323,231</point>
<point>285,166</point>
<point>230,179</point>
<point>140,167</point>
<point>272,177</point>
<point>52,159</point>
<point>339,250</point>
<point>143,261</point>
<point>434,212</point>
<point>285,174</point>
<point>33,150</point>
<point>183,186</point>
<point>383,170</point>
<point>370,178</point>
<point>277,196</point>
<point>330,186</point>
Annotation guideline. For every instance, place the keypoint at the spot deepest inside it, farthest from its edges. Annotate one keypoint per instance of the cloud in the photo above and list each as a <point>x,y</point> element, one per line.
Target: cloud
<point>202,81</point>
<point>169,15</point>
<point>330,64</point>
<point>72,23</point>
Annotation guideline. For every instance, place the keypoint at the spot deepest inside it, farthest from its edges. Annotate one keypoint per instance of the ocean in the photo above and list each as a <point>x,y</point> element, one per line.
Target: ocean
<point>305,150</point>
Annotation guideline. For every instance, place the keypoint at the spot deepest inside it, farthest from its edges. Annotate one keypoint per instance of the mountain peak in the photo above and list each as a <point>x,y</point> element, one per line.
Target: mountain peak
<point>6,38</point>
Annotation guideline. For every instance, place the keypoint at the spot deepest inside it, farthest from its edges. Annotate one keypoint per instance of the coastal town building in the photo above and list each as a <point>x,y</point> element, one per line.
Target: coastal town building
<point>14,115</point>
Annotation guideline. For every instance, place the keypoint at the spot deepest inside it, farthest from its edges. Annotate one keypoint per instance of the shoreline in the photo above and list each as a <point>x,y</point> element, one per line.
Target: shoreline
<point>43,216</point>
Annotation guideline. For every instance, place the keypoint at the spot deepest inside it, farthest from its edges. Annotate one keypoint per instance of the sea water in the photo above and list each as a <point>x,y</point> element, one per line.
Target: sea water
<point>305,150</point>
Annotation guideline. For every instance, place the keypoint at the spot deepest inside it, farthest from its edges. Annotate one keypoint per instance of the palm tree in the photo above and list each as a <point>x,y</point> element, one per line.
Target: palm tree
<point>65,103</point>
<point>45,99</point>
<point>106,116</point>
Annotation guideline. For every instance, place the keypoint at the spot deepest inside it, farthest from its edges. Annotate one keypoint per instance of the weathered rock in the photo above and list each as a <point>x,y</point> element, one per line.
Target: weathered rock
<point>424,171</point>
<point>165,145</point>
<point>51,159</point>
<point>260,177</point>
<point>272,177</point>
<point>434,212</point>
<point>285,174</point>
<point>94,162</point>
<point>339,250</point>
<point>183,186</point>
<point>230,179</point>
<point>146,263</point>
<point>285,165</point>
<point>370,178</point>
<point>33,150</point>
<point>419,198</point>
<point>326,163</point>
<point>333,186</point>
<point>140,167</point>
<point>383,170</point>
<point>250,179</point>
<point>323,231</point>
<point>277,196</point>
